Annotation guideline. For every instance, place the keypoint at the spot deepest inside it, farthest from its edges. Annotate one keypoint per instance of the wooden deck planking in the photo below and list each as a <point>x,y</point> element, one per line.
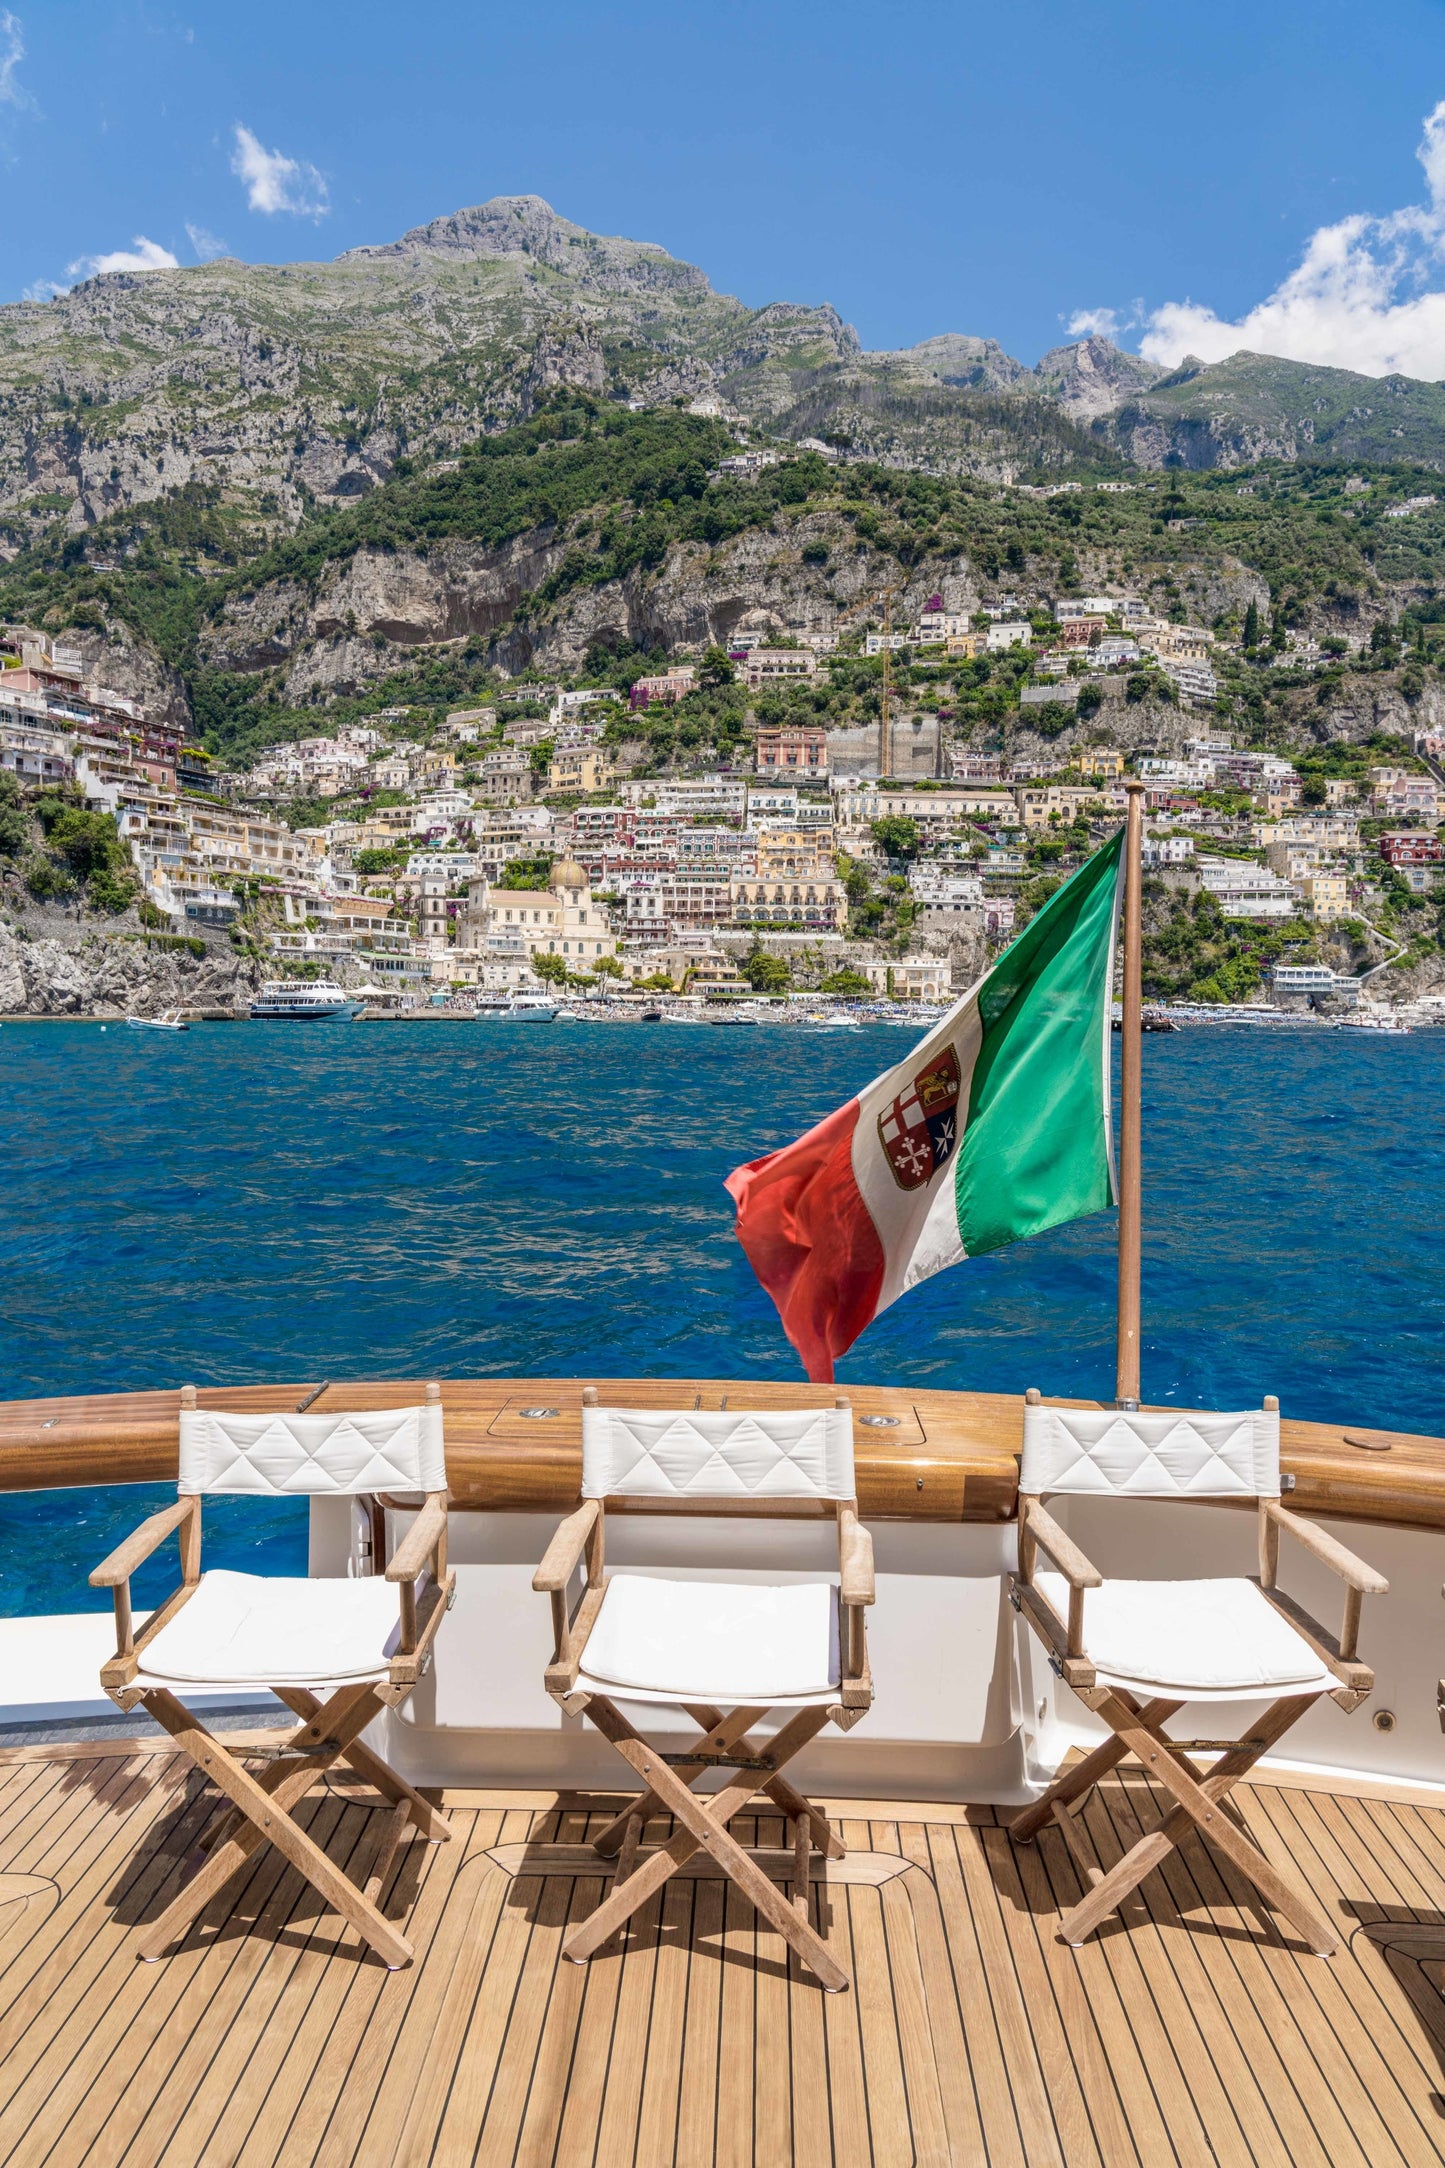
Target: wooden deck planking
<point>1189,2029</point>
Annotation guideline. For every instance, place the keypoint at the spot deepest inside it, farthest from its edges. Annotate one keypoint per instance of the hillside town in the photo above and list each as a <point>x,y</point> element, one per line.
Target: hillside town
<point>422,856</point>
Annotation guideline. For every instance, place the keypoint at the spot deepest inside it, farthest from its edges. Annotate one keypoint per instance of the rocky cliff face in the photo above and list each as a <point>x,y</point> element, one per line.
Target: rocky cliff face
<point>80,970</point>
<point>370,613</point>
<point>1093,378</point>
<point>299,382</point>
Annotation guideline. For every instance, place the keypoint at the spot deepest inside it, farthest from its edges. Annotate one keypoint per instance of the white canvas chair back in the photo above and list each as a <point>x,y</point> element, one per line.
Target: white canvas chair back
<point>396,1449</point>
<point>1179,1453</point>
<point>795,1453</point>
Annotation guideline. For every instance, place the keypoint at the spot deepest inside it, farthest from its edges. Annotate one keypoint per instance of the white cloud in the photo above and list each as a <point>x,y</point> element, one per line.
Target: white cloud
<point>1366,295</point>
<point>43,290</point>
<point>12,52</point>
<point>1095,324</point>
<point>275,182</point>
<point>142,255</point>
<point>206,245</point>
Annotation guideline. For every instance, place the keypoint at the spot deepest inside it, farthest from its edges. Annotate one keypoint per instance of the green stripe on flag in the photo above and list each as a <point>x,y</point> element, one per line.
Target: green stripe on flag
<point>1036,1151</point>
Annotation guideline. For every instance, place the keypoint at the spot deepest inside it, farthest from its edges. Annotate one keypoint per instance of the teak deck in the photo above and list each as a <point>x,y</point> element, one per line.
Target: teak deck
<point>1189,2031</point>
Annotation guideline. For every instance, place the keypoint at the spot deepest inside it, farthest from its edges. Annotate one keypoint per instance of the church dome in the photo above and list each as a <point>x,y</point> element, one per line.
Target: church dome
<point>567,874</point>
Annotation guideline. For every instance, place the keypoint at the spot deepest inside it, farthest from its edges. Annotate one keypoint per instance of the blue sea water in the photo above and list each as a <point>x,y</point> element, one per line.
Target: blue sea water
<point>281,1201</point>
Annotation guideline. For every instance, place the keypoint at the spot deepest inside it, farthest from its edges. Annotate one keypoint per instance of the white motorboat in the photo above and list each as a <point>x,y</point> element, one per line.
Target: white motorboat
<point>534,1008</point>
<point>300,999</point>
<point>1373,1020</point>
<point>168,1020</point>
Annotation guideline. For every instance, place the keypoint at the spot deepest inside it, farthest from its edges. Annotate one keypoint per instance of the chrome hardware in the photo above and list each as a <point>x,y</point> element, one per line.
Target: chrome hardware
<point>879,1422</point>
<point>539,1415</point>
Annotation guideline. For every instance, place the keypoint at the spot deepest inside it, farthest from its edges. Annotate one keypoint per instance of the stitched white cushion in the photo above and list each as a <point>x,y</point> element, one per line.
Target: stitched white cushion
<point>248,1629</point>
<point>389,1450</point>
<point>715,1640</point>
<point>1194,1636</point>
<point>655,1453</point>
<point>1183,1453</point>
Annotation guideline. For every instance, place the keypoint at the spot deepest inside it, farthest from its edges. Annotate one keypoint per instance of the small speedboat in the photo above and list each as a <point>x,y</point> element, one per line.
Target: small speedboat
<point>168,1020</point>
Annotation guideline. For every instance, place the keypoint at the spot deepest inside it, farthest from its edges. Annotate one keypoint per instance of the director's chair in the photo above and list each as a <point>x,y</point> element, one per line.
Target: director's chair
<point>336,1652</point>
<point>724,1652</point>
<point>1136,1651</point>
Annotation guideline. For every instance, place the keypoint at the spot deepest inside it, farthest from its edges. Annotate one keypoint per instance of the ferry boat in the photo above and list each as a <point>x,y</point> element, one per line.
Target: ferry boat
<point>299,999</point>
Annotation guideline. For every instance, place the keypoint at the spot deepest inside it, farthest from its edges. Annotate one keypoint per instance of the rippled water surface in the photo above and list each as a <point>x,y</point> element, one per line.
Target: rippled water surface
<point>302,1201</point>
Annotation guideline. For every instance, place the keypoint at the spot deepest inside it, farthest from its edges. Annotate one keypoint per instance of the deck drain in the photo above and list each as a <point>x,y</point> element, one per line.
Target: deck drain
<point>538,1415</point>
<point>879,1422</point>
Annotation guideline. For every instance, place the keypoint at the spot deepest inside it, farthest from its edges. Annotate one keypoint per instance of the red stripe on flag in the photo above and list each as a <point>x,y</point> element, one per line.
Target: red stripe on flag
<point>809,1238</point>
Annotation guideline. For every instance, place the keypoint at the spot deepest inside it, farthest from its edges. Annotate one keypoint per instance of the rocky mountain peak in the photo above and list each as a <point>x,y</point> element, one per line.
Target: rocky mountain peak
<point>966,363</point>
<point>525,230</point>
<point>1093,377</point>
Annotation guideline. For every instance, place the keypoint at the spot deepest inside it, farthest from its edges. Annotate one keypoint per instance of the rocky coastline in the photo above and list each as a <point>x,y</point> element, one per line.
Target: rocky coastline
<point>85,967</point>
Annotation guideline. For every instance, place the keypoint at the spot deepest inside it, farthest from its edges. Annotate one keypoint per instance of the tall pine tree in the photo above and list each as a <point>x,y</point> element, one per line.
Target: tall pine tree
<point>1251,624</point>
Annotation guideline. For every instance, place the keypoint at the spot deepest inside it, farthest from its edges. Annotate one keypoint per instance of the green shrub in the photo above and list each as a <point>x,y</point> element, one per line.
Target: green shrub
<point>45,880</point>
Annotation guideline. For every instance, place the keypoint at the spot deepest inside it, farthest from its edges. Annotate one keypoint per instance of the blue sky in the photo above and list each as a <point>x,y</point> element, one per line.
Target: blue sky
<point>1197,177</point>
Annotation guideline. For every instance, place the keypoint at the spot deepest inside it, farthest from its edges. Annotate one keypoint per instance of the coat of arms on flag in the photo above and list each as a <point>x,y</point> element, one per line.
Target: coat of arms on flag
<point>919,1131</point>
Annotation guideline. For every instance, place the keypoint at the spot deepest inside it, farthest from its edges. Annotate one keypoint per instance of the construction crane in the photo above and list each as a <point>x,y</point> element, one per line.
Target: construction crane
<point>885,596</point>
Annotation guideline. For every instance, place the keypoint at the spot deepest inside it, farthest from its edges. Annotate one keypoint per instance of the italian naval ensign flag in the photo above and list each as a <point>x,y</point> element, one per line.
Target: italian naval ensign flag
<point>997,1126</point>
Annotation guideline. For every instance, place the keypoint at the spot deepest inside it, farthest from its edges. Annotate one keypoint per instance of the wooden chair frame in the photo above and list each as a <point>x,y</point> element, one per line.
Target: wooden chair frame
<point>263,1807</point>
<point>723,1741</point>
<point>1202,1801</point>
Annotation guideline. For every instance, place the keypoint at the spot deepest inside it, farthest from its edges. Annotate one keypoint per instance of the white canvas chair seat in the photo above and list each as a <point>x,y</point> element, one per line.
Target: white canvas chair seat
<point>245,1629</point>
<point>689,1641</point>
<point>725,1652</point>
<point>1192,1640</point>
<point>1138,1652</point>
<point>336,1652</point>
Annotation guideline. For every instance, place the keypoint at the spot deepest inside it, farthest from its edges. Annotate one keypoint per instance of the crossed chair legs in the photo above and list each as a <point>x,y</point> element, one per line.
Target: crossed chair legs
<point>703,1820</point>
<point>262,1811</point>
<point>1203,1804</point>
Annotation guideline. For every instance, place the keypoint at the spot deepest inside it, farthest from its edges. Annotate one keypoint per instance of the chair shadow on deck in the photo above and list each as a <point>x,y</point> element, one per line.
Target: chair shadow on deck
<point>267,1897</point>
<point>699,1912</point>
<point>1412,1946</point>
<point>1193,1889</point>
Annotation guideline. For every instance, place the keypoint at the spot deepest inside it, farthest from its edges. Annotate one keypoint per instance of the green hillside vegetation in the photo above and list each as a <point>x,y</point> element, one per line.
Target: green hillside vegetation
<point>622,490</point>
<point>1289,407</point>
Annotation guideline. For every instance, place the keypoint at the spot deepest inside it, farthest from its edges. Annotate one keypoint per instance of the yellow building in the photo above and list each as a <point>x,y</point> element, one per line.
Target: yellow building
<point>792,853</point>
<point>558,920</point>
<point>585,770</point>
<point>1100,760</point>
<point>821,903</point>
<point>1326,896</point>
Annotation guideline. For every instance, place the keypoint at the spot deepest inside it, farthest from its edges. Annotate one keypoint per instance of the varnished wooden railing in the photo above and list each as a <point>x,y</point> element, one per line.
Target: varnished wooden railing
<point>924,1455</point>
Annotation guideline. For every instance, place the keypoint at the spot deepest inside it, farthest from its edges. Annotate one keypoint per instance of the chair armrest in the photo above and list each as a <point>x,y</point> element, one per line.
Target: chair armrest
<point>560,1559</point>
<point>1329,1551</point>
<point>420,1540</point>
<point>855,1558</point>
<point>1064,1552</point>
<point>116,1570</point>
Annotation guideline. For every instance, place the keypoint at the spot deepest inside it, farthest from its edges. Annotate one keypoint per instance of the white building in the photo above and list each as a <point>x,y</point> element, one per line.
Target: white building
<point>1009,633</point>
<point>1243,889</point>
<point>1167,851</point>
